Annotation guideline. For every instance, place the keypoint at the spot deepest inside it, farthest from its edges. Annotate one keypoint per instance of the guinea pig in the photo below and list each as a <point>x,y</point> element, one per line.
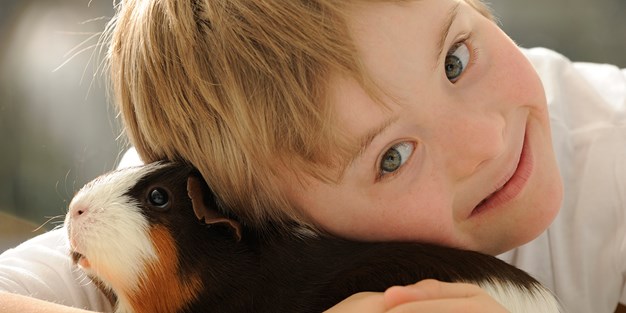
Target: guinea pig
<point>157,238</point>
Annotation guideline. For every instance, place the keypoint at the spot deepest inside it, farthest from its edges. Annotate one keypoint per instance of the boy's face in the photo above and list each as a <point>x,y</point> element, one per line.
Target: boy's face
<point>461,155</point>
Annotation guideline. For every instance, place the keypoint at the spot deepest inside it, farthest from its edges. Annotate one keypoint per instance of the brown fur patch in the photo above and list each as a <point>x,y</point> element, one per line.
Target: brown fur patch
<point>162,290</point>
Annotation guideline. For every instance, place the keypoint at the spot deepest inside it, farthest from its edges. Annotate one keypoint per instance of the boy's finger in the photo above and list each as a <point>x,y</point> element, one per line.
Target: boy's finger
<point>427,290</point>
<point>454,305</point>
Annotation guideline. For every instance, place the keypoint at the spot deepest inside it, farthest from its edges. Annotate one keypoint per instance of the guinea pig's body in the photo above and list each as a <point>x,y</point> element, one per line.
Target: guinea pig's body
<point>146,234</point>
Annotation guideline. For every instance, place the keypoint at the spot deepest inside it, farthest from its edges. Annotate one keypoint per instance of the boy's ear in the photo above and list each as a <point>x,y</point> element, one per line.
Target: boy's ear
<point>206,214</point>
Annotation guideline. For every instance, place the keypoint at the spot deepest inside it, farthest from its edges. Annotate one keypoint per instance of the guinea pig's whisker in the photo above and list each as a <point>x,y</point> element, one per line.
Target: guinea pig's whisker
<point>84,280</point>
<point>50,219</point>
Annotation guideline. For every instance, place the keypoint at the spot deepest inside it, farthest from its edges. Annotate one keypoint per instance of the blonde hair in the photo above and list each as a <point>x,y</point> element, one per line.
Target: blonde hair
<point>237,89</point>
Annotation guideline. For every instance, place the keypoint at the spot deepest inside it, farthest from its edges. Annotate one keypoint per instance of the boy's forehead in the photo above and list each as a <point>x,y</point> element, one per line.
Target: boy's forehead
<point>361,111</point>
<point>389,39</point>
<point>482,8</point>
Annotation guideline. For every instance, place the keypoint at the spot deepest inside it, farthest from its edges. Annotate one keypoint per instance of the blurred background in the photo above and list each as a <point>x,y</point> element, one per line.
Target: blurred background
<point>58,129</point>
<point>587,31</point>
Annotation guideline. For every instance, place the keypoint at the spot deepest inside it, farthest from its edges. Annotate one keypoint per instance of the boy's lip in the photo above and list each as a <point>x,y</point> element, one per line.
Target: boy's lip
<point>512,183</point>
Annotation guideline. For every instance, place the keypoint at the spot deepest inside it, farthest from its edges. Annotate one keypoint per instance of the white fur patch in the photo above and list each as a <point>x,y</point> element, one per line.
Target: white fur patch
<point>112,234</point>
<point>519,300</point>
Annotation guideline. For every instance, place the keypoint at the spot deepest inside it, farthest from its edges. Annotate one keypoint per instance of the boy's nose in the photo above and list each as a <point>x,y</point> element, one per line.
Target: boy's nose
<point>472,146</point>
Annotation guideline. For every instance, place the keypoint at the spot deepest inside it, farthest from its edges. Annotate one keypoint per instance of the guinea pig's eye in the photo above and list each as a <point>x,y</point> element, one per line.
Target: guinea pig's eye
<point>158,197</point>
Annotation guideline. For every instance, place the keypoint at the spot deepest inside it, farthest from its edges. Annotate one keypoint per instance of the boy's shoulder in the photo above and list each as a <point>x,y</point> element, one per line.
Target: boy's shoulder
<point>580,95</point>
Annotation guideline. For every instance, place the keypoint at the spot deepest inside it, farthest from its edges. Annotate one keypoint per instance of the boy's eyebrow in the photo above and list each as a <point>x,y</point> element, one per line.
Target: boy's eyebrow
<point>446,29</point>
<point>366,140</point>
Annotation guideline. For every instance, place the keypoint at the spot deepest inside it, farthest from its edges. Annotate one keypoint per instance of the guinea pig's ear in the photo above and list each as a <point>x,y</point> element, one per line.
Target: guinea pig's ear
<point>209,216</point>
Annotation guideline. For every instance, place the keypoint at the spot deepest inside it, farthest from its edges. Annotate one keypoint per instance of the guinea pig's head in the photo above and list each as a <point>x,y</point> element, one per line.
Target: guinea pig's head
<point>134,229</point>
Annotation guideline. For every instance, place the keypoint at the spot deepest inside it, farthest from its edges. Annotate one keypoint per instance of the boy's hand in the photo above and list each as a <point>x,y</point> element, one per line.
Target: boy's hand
<point>435,296</point>
<point>425,296</point>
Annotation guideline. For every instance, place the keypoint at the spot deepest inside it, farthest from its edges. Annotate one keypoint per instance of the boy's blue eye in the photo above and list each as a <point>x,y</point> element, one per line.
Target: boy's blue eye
<point>456,61</point>
<point>395,157</point>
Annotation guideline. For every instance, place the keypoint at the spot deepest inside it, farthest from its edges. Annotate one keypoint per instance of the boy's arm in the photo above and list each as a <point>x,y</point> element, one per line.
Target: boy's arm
<point>13,303</point>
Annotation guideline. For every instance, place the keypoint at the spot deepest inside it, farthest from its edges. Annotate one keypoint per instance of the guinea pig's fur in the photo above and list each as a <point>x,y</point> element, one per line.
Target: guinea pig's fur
<point>156,237</point>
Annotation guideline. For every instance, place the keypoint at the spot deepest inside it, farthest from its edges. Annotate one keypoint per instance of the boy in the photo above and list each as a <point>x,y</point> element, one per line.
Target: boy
<point>409,120</point>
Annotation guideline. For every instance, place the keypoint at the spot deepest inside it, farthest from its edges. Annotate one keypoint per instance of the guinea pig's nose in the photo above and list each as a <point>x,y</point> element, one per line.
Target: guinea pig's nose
<point>78,211</point>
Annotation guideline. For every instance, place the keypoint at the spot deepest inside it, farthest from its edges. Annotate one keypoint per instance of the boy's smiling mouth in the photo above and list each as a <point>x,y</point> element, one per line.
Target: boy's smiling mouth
<point>512,184</point>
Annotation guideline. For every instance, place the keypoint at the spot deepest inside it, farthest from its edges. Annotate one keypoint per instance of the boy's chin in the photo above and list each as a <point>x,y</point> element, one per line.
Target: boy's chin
<point>526,234</point>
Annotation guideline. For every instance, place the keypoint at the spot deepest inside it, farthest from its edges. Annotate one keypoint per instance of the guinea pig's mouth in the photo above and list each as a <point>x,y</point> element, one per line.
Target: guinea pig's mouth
<point>79,259</point>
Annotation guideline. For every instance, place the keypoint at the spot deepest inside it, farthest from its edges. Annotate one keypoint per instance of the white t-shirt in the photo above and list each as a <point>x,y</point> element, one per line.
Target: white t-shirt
<point>581,257</point>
